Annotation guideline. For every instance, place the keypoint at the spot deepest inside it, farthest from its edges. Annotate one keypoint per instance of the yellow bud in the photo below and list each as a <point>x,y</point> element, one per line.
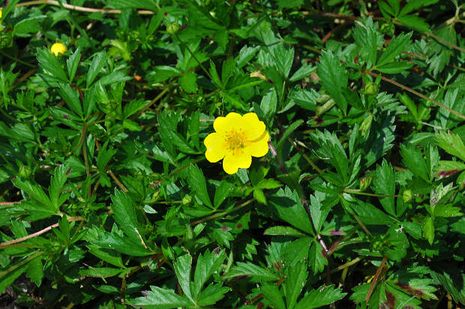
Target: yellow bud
<point>58,49</point>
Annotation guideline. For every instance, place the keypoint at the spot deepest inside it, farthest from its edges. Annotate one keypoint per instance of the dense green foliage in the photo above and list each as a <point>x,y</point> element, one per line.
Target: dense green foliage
<point>107,200</point>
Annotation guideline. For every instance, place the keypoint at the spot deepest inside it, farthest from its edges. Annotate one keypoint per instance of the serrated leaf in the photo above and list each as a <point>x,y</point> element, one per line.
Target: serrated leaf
<point>397,45</point>
<point>273,295</point>
<point>207,264</point>
<point>182,268</point>
<point>50,64</point>
<point>124,212</point>
<point>283,231</point>
<point>212,294</point>
<point>428,230</point>
<point>161,299</point>
<point>334,78</point>
<point>257,273</point>
<point>452,144</point>
<point>295,282</point>
<point>414,22</point>
<point>72,64</point>
<point>95,68</point>
<point>222,192</point>
<point>413,159</point>
<point>321,297</point>
<point>198,184</point>
<point>188,82</point>
<point>394,67</point>
<point>367,39</point>
<point>290,209</point>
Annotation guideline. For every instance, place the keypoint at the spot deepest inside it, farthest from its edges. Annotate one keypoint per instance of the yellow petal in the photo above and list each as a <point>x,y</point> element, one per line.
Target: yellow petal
<point>215,147</point>
<point>252,126</point>
<point>223,124</point>
<point>234,161</point>
<point>259,148</point>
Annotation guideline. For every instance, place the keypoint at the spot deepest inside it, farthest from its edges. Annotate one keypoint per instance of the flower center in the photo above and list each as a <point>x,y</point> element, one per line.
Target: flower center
<point>235,140</point>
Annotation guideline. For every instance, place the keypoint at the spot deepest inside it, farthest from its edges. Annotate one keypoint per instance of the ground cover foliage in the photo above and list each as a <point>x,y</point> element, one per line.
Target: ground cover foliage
<point>107,200</point>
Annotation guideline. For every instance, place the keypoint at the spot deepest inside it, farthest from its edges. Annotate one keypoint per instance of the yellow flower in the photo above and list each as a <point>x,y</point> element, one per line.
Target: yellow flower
<point>237,139</point>
<point>58,49</point>
<point>1,13</point>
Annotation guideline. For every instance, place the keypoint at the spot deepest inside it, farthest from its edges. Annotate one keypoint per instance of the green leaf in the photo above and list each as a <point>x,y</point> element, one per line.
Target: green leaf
<point>207,264</point>
<point>317,211</point>
<point>290,209</point>
<point>304,71</point>
<point>316,258</point>
<point>413,5</point>
<point>35,192</point>
<point>8,276</point>
<point>289,4</point>
<point>414,22</point>
<point>212,294</point>
<point>198,184</point>
<point>394,67</point>
<point>100,272</point>
<point>447,211</point>
<point>452,144</point>
<point>384,184</point>
<point>72,64</point>
<point>28,25</point>
<point>71,97</point>
<point>222,192</point>
<point>273,295</point>
<point>257,273</point>
<point>414,161</point>
<point>182,268</point>
<point>106,256</point>
<point>323,296</point>
<point>50,65</point>
<point>295,282</point>
<point>124,212</point>
<point>161,299</point>
<point>282,231</point>
<point>397,45</point>
<point>334,79</point>
<point>188,82</point>
<point>57,184</point>
<point>134,4</point>
<point>368,40</point>
<point>369,214</point>
<point>428,230</point>
<point>117,242</point>
<point>35,271</point>
<point>96,67</point>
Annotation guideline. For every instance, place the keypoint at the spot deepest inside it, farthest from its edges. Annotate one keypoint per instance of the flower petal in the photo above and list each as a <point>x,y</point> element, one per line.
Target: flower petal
<point>233,161</point>
<point>223,124</point>
<point>259,148</point>
<point>252,126</point>
<point>215,147</point>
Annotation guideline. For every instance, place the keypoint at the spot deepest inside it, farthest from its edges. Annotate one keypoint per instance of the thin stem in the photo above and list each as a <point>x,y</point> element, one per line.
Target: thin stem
<point>418,94</point>
<point>347,265</point>
<point>8,203</point>
<point>78,8</point>
<point>16,59</point>
<point>117,181</point>
<point>38,233</point>
<point>223,213</point>
<point>375,279</point>
<point>357,192</point>
<point>155,100</point>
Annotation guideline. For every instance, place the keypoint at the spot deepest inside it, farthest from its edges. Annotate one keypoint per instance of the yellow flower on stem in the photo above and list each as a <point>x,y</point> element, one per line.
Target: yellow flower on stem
<point>58,49</point>
<point>237,139</point>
